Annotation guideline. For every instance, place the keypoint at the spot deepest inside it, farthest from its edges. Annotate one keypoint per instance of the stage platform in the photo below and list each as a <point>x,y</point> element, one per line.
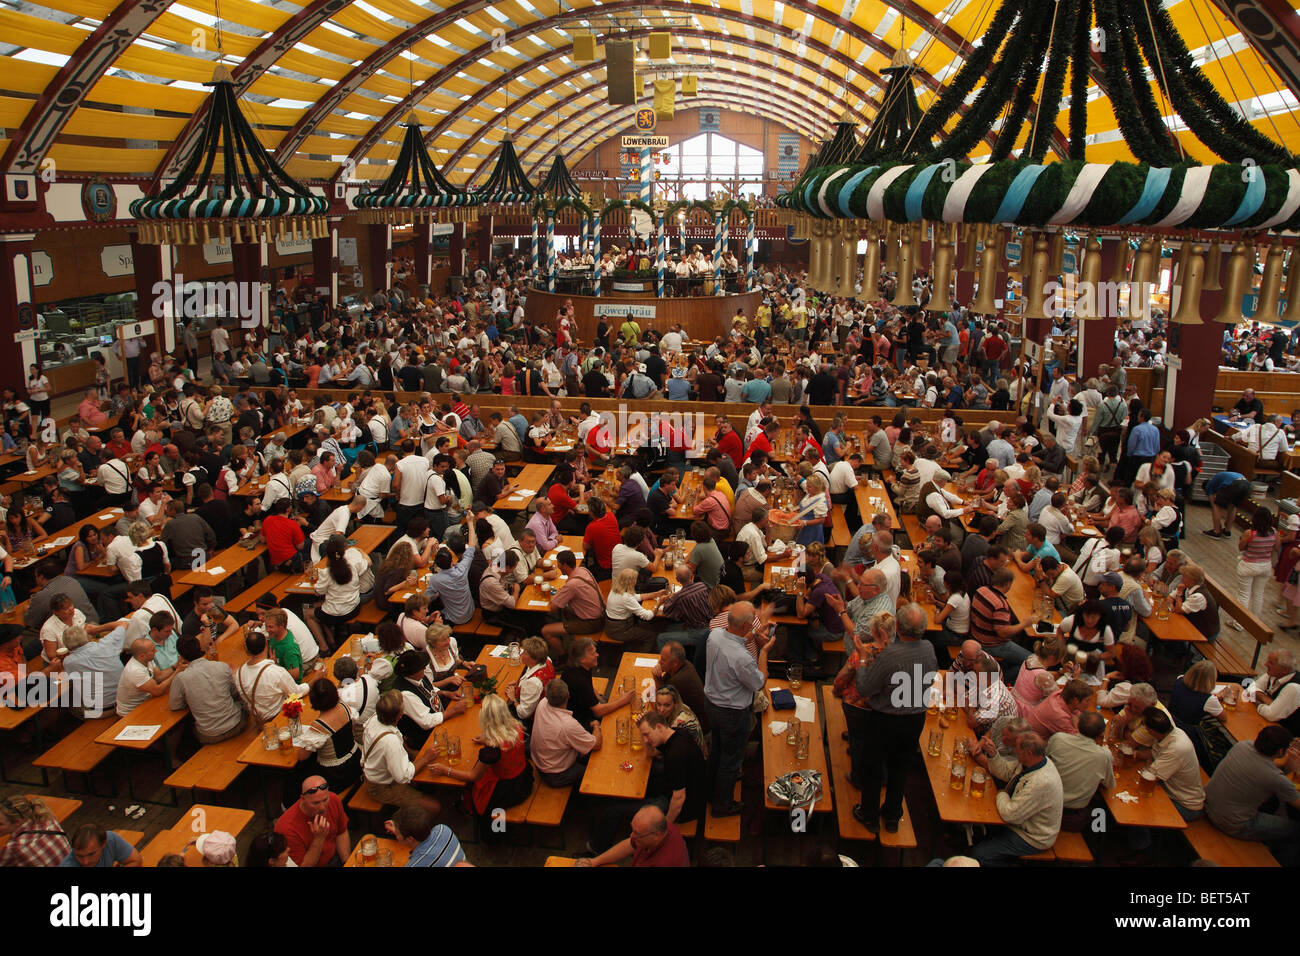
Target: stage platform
<point>701,317</point>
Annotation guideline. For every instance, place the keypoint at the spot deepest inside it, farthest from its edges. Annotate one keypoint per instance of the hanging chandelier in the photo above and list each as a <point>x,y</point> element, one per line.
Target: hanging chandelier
<point>415,191</point>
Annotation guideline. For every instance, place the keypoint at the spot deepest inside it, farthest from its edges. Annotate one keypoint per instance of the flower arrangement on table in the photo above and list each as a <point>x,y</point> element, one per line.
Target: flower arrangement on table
<point>292,708</point>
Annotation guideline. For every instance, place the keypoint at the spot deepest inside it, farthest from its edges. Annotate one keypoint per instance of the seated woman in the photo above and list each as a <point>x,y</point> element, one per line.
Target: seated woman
<point>395,575</point>
<point>330,739</point>
<point>444,658</point>
<point>668,701</point>
<point>626,619</point>
<point>415,619</point>
<point>422,708</point>
<point>1048,655</point>
<point>500,776</point>
<point>525,693</point>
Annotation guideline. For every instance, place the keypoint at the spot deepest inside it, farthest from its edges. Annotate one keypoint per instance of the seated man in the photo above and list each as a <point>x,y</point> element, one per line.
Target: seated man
<point>996,750</point>
<point>263,684</point>
<point>1058,713</point>
<point>140,680</point>
<point>385,764</point>
<point>1085,763</point>
<point>93,846</point>
<point>207,689</point>
<point>1174,762</point>
<point>432,846</point>
<point>559,745</point>
<point>1248,776</point>
<point>1030,806</point>
<point>654,842</point>
<point>316,826</point>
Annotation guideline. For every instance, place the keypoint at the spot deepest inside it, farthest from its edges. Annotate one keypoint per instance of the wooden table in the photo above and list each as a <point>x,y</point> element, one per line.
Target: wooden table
<point>231,561</point>
<point>604,776</point>
<point>1153,809</point>
<point>400,852</point>
<point>531,476</point>
<point>199,819</point>
<point>530,595</point>
<point>466,726</point>
<point>255,753</point>
<point>689,487</point>
<point>956,806</point>
<point>100,520</point>
<point>153,712</point>
<point>1176,627</point>
<point>368,537</point>
<point>778,756</point>
<point>33,477</point>
<point>342,492</point>
<point>1244,721</point>
<point>875,488</point>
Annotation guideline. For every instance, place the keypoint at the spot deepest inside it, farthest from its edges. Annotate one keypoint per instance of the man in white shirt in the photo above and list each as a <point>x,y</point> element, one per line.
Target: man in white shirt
<point>263,684</point>
<point>374,486</point>
<point>387,768</point>
<point>1277,692</point>
<point>882,550</point>
<point>277,486</point>
<point>140,680</point>
<point>336,523</point>
<point>671,343</point>
<point>754,536</point>
<point>1054,520</point>
<point>359,691</point>
<point>143,605</point>
<point>114,477</point>
<point>1268,439</point>
<point>930,470</point>
<point>410,480</point>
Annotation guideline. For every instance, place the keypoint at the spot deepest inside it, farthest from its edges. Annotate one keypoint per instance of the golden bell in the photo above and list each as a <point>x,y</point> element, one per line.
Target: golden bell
<point>815,231</point>
<point>1189,298</point>
<point>1292,313</point>
<point>830,249</point>
<point>1139,306</point>
<point>988,275</point>
<point>967,235</point>
<point>1271,285</point>
<point>1123,259</point>
<point>1056,258</point>
<point>941,272</point>
<point>903,294</point>
<point>1213,266</point>
<point>871,268</point>
<point>918,245</point>
<point>1240,268</point>
<point>1087,304</point>
<point>1036,282</point>
<point>848,260</point>
<point>891,247</point>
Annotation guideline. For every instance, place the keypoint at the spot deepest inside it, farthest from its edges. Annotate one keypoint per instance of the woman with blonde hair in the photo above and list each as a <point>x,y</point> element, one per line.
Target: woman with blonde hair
<point>1198,711</point>
<point>668,701</point>
<point>1049,653</point>
<point>811,516</point>
<point>626,619</point>
<point>149,559</point>
<point>444,656</point>
<point>500,776</point>
<point>1151,547</point>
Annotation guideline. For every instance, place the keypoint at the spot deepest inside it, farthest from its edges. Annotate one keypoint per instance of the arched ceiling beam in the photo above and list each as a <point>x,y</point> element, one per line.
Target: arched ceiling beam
<point>56,104</point>
<point>399,110</point>
<point>553,111</point>
<point>263,57</point>
<point>605,126</point>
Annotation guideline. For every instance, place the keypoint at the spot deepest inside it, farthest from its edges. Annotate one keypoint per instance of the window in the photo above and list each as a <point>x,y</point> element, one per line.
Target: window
<point>710,163</point>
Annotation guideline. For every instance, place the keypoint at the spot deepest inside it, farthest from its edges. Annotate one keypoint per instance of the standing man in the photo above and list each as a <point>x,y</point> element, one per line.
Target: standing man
<point>894,724</point>
<point>733,678</point>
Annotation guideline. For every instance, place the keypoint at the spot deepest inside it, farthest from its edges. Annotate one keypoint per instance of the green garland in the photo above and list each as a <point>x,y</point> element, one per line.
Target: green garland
<point>1150,116</point>
<point>1118,190</point>
<point>978,120</point>
<point>1079,77</point>
<point>1222,197</point>
<point>986,197</point>
<point>1170,199</point>
<point>960,86</point>
<point>1053,80</point>
<point>1026,83</point>
<point>1254,143</point>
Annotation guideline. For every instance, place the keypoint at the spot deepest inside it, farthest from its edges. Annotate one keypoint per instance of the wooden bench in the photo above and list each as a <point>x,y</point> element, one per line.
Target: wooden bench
<point>369,616</point>
<point>132,837</point>
<point>1252,625</point>
<point>1224,659</point>
<point>1212,844</point>
<point>78,752</point>
<point>246,598</point>
<point>1068,848</point>
<point>850,828</point>
<point>547,807</point>
<point>471,626</point>
<point>841,535</point>
<point>215,767</point>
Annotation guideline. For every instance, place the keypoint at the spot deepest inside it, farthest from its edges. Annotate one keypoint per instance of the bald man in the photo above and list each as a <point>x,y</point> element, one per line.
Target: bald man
<point>316,826</point>
<point>653,842</point>
<point>732,679</point>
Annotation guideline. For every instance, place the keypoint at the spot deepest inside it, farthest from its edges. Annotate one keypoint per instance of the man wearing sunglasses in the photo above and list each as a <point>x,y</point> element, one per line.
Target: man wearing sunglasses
<point>316,826</point>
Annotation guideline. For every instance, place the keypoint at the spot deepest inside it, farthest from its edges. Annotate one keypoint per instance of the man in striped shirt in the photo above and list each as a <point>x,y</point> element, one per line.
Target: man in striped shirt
<point>432,846</point>
<point>994,624</point>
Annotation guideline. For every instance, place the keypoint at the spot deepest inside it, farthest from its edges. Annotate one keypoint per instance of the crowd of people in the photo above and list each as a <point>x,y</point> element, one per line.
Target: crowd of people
<point>193,449</point>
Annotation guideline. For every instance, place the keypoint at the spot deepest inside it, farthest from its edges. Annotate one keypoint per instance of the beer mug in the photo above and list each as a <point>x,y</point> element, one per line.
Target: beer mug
<point>516,653</point>
<point>1146,780</point>
<point>1231,694</point>
<point>369,850</point>
<point>453,750</point>
<point>934,746</point>
<point>1125,754</point>
<point>634,736</point>
<point>801,748</point>
<point>977,782</point>
<point>286,738</point>
<point>621,731</point>
<point>957,773</point>
<point>384,858</point>
<point>792,731</point>
<point>795,675</point>
<point>270,737</point>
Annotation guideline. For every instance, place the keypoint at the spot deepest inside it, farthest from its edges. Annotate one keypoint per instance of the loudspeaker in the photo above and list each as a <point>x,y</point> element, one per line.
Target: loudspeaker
<point>661,46</point>
<point>619,75</point>
<point>584,47</point>
<point>638,85</point>
<point>690,85</point>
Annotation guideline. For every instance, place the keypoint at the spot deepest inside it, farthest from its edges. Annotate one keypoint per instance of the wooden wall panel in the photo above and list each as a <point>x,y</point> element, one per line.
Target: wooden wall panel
<point>702,317</point>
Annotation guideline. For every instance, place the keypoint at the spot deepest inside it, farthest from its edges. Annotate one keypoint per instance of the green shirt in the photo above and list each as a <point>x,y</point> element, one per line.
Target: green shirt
<point>630,332</point>
<point>287,654</point>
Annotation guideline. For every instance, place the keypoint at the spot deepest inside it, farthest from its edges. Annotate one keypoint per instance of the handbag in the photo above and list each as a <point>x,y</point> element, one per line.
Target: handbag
<point>798,788</point>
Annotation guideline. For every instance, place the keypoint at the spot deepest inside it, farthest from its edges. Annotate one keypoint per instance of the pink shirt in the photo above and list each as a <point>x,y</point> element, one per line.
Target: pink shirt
<point>1052,716</point>
<point>558,740</point>
<point>544,528</point>
<point>90,414</point>
<point>325,478</point>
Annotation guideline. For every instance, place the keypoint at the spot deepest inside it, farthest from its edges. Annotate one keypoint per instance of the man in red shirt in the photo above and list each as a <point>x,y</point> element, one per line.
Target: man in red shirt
<point>654,842</point>
<point>601,536</point>
<point>316,826</point>
<point>728,441</point>
<point>763,440</point>
<point>565,496</point>
<point>283,535</point>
